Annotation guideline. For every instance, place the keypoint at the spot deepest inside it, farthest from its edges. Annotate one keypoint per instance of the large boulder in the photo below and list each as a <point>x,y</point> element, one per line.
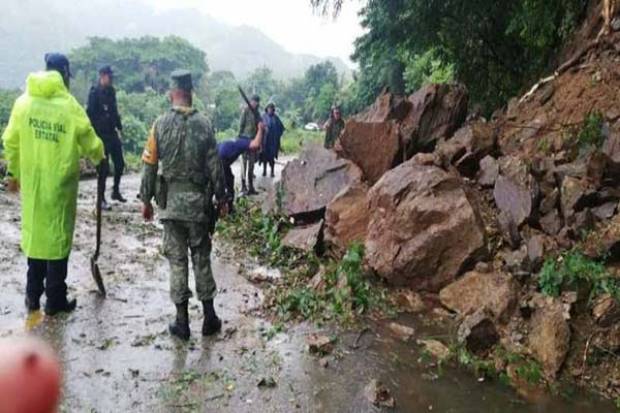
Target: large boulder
<point>495,292</point>
<point>423,231</point>
<point>374,147</point>
<point>346,217</point>
<point>311,181</point>
<point>438,110</point>
<point>387,107</point>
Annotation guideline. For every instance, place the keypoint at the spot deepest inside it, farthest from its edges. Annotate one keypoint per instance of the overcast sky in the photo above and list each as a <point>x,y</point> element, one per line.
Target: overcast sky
<point>290,23</point>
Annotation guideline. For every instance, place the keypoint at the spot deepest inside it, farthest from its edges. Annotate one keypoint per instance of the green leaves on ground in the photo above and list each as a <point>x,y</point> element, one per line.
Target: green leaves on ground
<point>345,292</point>
<point>573,270</point>
<point>340,290</point>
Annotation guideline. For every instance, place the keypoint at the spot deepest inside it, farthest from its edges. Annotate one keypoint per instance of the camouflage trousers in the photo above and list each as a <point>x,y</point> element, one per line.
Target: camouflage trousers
<point>179,238</point>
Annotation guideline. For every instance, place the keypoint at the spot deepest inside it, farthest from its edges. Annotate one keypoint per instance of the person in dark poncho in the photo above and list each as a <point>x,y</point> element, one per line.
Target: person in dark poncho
<point>271,144</point>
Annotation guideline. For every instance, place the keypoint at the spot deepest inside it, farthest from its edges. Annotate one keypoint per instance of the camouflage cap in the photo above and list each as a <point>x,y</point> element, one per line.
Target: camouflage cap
<point>181,79</point>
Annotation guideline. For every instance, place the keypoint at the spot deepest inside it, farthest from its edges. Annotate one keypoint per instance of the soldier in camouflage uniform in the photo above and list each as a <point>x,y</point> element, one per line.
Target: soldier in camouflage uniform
<point>182,172</point>
<point>248,128</point>
<point>333,127</point>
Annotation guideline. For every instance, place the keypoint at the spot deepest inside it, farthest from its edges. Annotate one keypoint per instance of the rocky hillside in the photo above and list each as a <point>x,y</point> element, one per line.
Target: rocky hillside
<point>512,223</point>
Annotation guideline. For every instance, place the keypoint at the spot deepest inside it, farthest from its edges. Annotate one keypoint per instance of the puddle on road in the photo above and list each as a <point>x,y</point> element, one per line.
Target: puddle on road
<point>118,356</point>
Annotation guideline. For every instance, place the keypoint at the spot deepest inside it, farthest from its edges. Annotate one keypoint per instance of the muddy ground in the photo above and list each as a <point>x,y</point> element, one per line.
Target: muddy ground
<point>118,356</point>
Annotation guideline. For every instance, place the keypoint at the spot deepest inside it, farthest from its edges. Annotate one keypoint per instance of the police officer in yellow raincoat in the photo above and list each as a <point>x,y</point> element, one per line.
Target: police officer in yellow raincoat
<point>47,133</point>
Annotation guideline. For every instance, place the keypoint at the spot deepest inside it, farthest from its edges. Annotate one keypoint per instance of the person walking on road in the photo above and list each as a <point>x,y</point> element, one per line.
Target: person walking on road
<point>271,146</point>
<point>103,113</point>
<point>47,132</point>
<point>182,171</point>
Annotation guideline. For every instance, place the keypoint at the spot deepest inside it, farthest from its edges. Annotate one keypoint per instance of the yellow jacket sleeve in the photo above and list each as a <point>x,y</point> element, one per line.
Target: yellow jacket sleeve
<point>11,141</point>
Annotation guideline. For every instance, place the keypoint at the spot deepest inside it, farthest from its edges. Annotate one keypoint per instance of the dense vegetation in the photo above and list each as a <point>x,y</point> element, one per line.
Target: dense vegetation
<point>142,69</point>
<point>495,48</point>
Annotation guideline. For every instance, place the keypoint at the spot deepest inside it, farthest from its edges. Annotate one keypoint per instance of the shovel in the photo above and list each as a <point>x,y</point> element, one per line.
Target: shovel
<point>94,267</point>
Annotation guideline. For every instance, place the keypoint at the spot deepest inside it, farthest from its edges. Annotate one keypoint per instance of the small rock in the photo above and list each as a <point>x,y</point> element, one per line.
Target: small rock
<point>379,395</point>
<point>483,267</point>
<point>404,333</point>
<point>410,302</point>
<point>573,191</point>
<point>549,339</point>
<point>268,382</point>
<point>509,230</point>
<point>536,251</point>
<point>489,171</point>
<point>551,223</point>
<point>324,362</point>
<point>264,274</point>
<point>496,292</point>
<point>605,211</point>
<point>304,238</point>
<point>319,344</point>
<point>436,348</point>
<point>317,283</point>
<point>606,310</point>
<point>477,332</point>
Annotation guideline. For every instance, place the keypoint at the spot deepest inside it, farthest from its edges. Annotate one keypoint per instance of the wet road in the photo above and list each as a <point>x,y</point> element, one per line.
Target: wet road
<point>117,354</point>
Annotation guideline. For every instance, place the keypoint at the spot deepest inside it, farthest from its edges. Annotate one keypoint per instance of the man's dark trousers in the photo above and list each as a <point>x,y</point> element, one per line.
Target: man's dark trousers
<point>229,181</point>
<point>49,276</point>
<point>114,150</point>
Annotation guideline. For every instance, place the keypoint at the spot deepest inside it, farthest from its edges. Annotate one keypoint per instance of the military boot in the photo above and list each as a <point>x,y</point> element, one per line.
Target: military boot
<point>180,327</point>
<point>211,324</point>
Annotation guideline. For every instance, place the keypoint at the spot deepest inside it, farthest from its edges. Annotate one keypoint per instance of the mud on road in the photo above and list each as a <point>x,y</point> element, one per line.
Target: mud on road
<point>118,356</point>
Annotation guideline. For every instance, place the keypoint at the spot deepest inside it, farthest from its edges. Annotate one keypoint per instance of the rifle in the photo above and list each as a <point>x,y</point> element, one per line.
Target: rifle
<point>257,116</point>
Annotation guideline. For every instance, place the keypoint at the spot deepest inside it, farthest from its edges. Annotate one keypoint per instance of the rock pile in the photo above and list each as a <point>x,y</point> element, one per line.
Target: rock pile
<point>471,209</point>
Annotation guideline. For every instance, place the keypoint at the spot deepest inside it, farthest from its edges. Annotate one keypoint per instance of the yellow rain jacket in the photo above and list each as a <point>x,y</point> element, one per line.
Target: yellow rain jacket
<point>47,132</point>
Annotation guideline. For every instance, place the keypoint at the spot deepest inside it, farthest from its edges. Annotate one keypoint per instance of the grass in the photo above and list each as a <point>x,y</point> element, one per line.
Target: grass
<point>572,270</point>
<point>293,140</point>
<point>591,133</point>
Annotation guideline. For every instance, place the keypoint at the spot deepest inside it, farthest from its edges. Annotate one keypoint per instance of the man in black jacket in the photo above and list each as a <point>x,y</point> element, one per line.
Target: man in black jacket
<point>103,113</point>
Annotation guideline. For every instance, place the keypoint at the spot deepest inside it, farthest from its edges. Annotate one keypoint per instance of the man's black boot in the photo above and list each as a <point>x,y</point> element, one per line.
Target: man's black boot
<point>211,324</point>
<point>116,196</point>
<point>66,307</point>
<point>180,327</point>
<point>32,304</point>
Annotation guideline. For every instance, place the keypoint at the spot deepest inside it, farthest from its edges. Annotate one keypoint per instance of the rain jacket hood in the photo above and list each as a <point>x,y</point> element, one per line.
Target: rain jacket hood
<point>47,132</point>
<point>45,84</point>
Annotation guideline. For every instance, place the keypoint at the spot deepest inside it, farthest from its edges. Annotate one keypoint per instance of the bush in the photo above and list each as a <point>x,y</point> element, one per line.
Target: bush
<point>571,269</point>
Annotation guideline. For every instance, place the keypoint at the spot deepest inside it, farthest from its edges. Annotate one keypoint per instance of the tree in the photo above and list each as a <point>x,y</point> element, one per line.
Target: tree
<point>141,63</point>
<point>495,48</point>
<point>223,99</point>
